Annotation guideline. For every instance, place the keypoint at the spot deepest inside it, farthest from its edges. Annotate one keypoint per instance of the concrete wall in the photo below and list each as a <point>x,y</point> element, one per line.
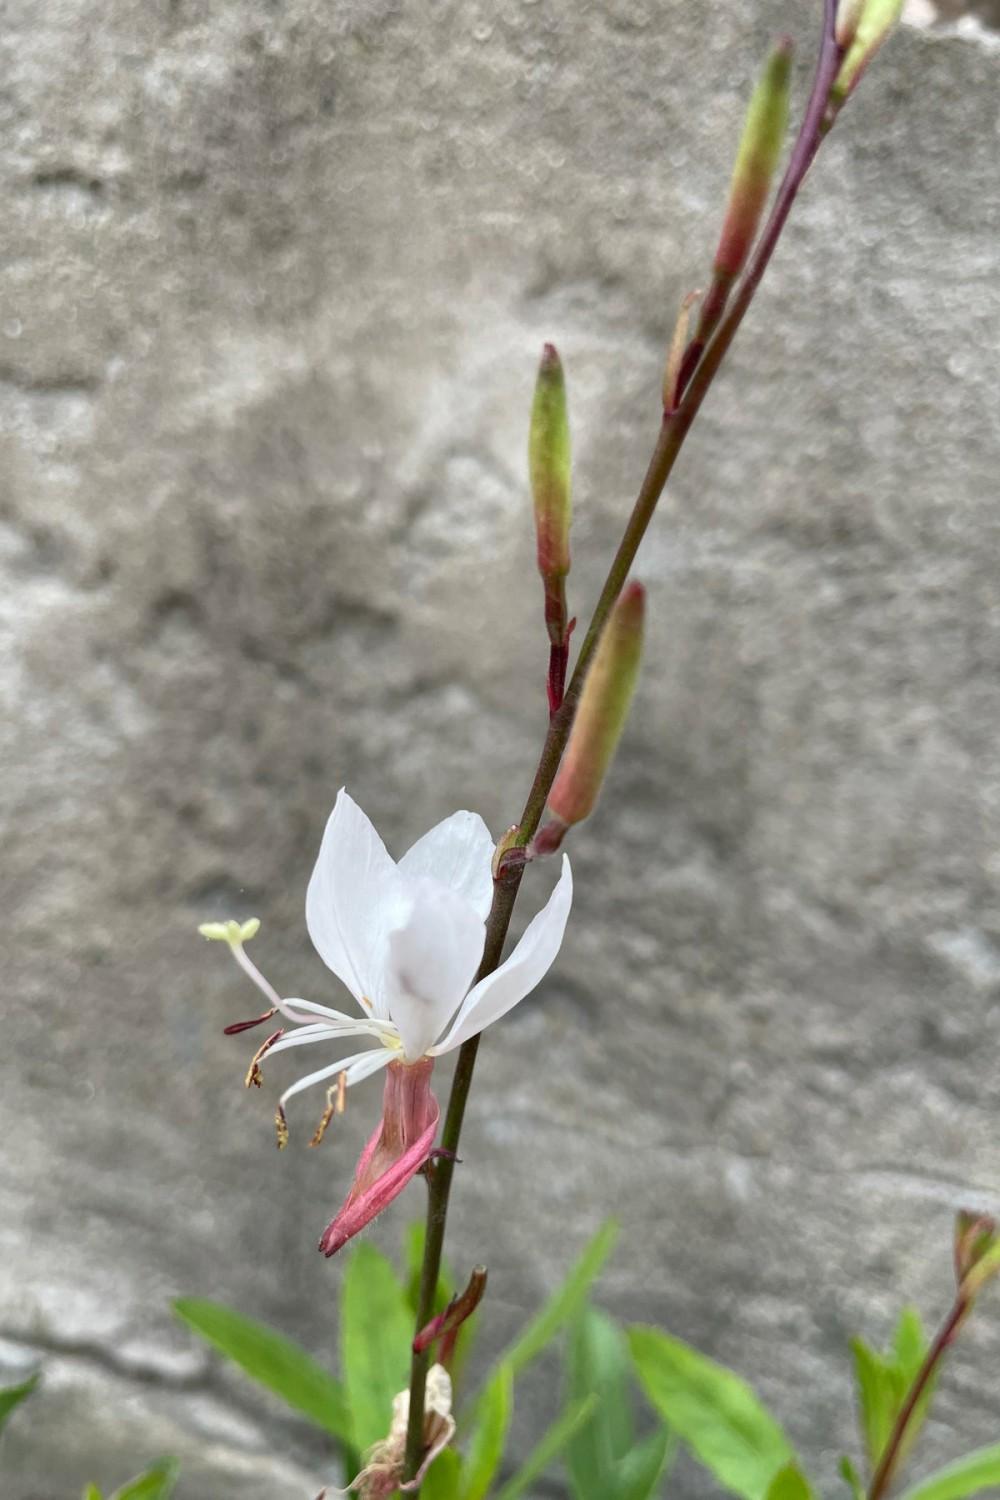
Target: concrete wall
<point>276,279</point>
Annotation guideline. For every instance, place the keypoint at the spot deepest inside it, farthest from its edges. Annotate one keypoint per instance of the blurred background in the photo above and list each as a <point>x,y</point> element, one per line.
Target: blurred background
<point>276,281</point>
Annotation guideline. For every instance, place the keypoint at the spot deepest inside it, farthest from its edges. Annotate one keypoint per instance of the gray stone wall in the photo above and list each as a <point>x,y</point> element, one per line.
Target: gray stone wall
<point>276,279</point>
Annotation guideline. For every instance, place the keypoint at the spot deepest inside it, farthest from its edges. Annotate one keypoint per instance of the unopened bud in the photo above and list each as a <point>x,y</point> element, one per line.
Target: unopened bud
<point>756,160</point>
<point>865,26</point>
<point>977,1251</point>
<point>603,709</point>
<point>549,465</point>
<point>849,13</point>
<point>455,1314</point>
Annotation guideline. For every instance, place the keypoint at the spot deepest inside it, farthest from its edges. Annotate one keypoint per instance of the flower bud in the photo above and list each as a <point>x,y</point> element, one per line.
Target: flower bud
<point>455,1314</point>
<point>756,160</point>
<point>549,466</point>
<point>977,1251</point>
<point>862,29</point>
<point>603,709</point>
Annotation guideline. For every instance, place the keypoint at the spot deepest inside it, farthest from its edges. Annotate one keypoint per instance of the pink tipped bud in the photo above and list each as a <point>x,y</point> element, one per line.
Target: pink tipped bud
<point>863,27</point>
<point>849,14</point>
<point>604,706</point>
<point>977,1251</point>
<point>756,160</point>
<point>549,465</point>
<point>455,1314</point>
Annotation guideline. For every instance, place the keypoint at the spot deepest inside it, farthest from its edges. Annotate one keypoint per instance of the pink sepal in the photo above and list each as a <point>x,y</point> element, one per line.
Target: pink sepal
<point>396,1151</point>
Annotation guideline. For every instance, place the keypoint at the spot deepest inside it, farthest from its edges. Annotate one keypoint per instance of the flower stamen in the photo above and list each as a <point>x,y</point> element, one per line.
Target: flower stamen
<point>336,1103</point>
<point>236,1027</point>
<point>254,1075</point>
<point>281,1127</point>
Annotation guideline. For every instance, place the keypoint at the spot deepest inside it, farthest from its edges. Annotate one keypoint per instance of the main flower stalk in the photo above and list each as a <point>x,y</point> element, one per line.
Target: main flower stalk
<point>674,428</point>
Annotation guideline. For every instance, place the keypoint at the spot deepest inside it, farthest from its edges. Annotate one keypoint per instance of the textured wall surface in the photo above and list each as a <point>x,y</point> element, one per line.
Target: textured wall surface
<point>275,281</point>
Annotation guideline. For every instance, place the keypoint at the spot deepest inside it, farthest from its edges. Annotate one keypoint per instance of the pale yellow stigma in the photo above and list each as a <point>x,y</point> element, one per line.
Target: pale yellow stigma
<point>233,933</point>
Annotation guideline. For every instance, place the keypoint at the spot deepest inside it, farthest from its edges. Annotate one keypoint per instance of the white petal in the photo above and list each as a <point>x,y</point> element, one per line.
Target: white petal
<point>530,961</point>
<point>369,1063</point>
<point>346,901</point>
<point>376,1058</point>
<point>458,853</point>
<point>434,953</point>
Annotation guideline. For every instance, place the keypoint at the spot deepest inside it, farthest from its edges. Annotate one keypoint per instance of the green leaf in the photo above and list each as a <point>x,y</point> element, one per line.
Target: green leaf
<point>851,1478</point>
<point>643,1467</point>
<point>443,1480</point>
<point>12,1395</point>
<point>414,1254</point>
<point>274,1361</point>
<point>156,1484</point>
<point>713,1411</point>
<point>376,1332</point>
<point>597,1361</point>
<point>909,1347</point>
<point>878,1398</point>
<point>92,1493</point>
<point>565,1302</point>
<point>909,1344</point>
<point>970,1475</point>
<point>549,1448</point>
<point>883,1382</point>
<point>493,1413</point>
<point>790,1484</point>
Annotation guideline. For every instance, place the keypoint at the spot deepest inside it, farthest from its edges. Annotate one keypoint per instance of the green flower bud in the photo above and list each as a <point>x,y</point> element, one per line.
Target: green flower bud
<point>549,466</point>
<point>865,26</point>
<point>603,709</point>
<point>756,160</point>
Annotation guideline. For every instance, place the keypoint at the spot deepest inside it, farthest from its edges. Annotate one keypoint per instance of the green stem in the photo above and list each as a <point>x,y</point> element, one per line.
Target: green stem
<point>673,431</point>
<point>882,1477</point>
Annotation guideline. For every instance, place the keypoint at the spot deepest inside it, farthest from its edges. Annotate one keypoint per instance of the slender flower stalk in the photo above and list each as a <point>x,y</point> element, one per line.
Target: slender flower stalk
<point>549,470</point>
<point>673,430</point>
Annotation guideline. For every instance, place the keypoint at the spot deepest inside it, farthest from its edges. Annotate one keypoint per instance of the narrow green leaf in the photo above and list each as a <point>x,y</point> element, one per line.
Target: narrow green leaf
<point>549,1448</point>
<point>597,1361</point>
<point>910,1347</point>
<point>970,1475</point>
<point>493,1413</point>
<point>790,1484</point>
<point>92,1493</point>
<point>851,1478</point>
<point>909,1344</point>
<point>273,1361</point>
<point>713,1411</point>
<point>156,1484</point>
<point>877,1391</point>
<point>12,1395</point>
<point>376,1331</point>
<point>414,1254</point>
<point>641,1470</point>
<point>443,1480</point>
<point>565,1302</point>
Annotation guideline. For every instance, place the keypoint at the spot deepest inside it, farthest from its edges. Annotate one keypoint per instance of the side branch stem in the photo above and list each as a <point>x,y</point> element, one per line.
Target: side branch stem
<point>885,1470</point>
<point>674,429</point>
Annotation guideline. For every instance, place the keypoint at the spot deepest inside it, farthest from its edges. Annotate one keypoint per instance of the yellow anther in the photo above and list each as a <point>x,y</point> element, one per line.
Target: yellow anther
<point>336,1103</point>
<point>281,1126</point>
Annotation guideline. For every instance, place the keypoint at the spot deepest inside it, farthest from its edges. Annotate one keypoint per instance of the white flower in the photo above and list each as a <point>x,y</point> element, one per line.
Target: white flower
<point>407,941</point>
